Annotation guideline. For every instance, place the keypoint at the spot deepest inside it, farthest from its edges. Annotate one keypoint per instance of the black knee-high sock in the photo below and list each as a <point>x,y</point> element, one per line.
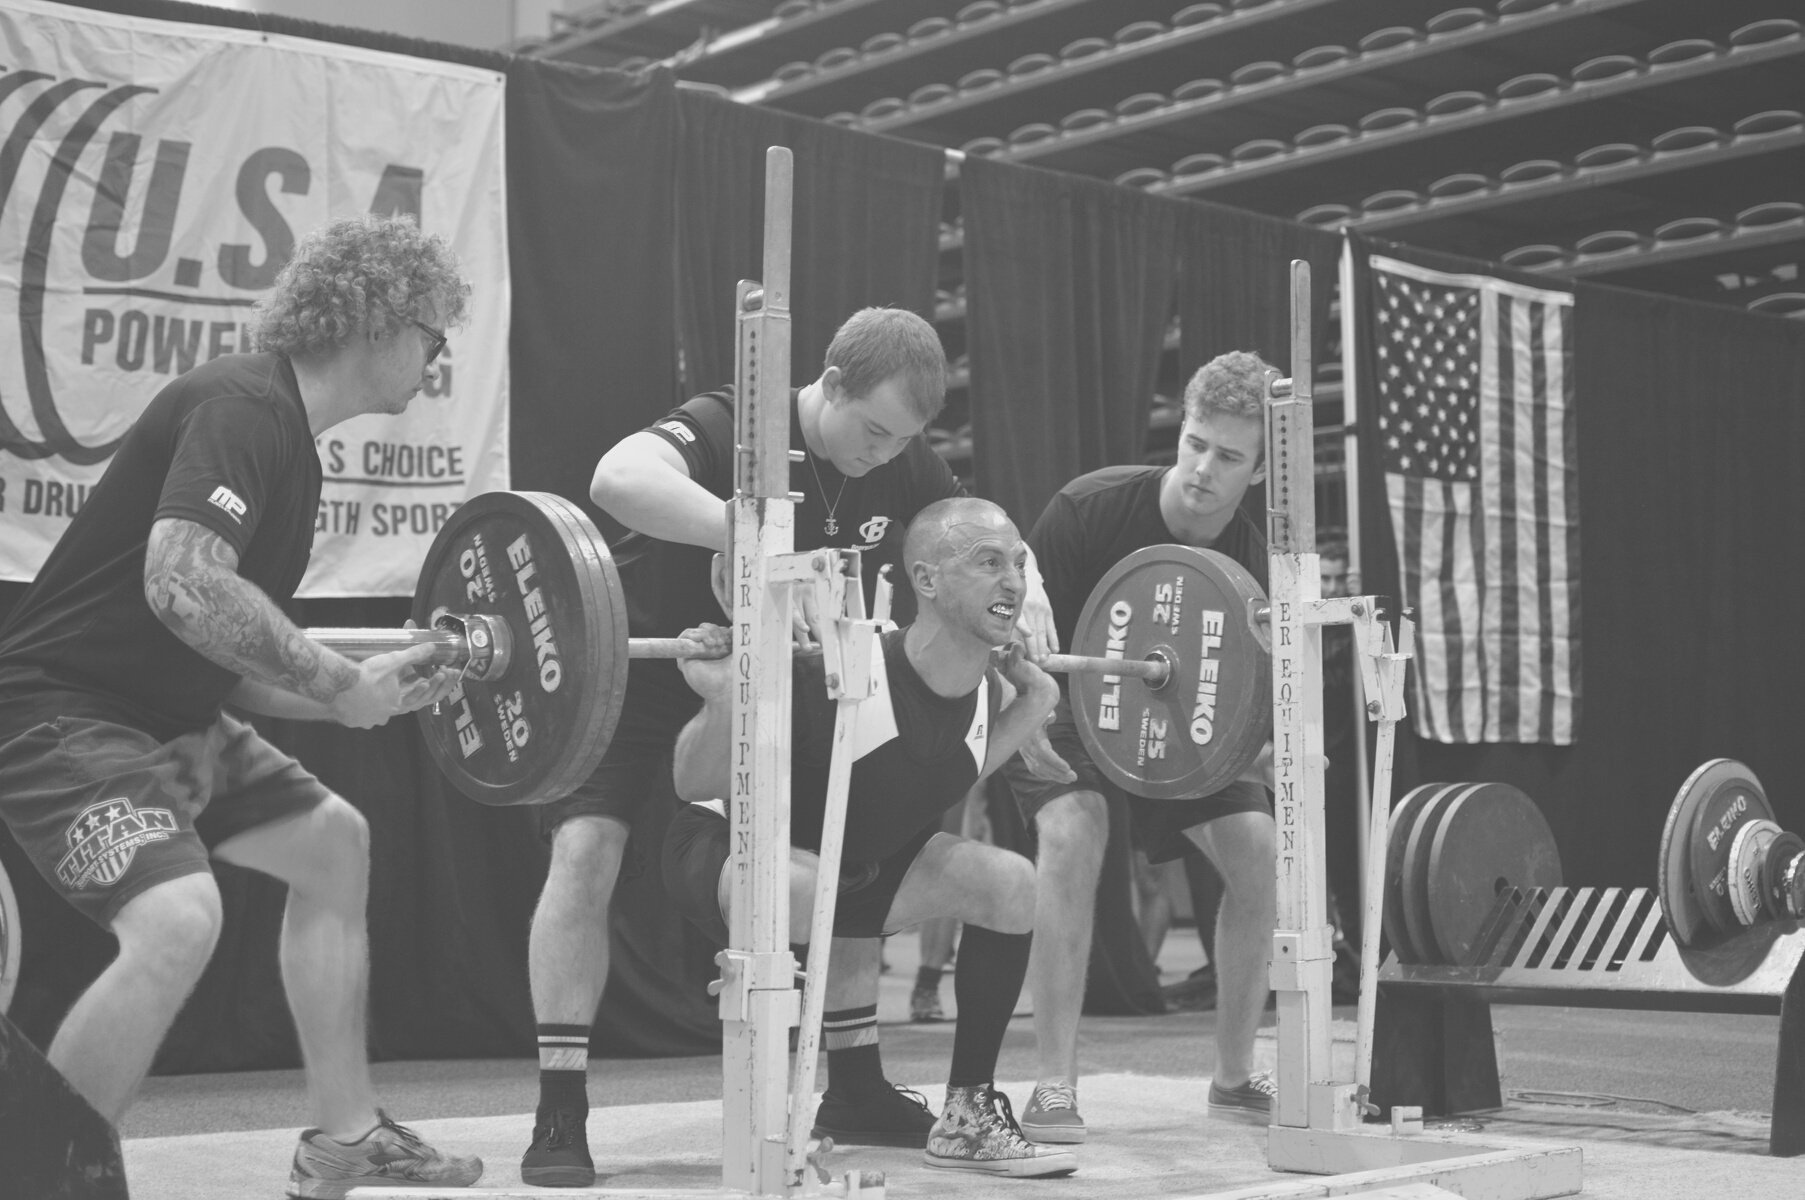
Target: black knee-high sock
<point>986,986</point>
<point>854,1067</point>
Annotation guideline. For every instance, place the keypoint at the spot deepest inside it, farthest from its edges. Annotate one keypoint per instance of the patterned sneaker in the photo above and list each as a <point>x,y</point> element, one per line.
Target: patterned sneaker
<point>899,1117</point>
<point>977,1132</point>
<point>559,1155</point>
<point>1253,1098</point>
<point>924,1006</point>
<point>390,1155</point>
<point>1052,1114</point>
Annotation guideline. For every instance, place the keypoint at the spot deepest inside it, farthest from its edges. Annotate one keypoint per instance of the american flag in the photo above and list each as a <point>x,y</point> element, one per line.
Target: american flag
<point>1474,390</point>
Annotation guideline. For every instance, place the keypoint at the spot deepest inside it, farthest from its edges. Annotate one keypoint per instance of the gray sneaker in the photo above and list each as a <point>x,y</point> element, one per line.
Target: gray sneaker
<point>390,1155</point>
<point>977,1132</point>
<point>1052,1114</point>
<point>1253,1098</point>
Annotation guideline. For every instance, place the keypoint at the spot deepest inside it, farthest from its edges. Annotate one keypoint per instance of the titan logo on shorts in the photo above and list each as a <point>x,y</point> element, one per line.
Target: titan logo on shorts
<point>105,838</point>
<point>227,501</point>
<point>872,532</point>
<point>678,430</point>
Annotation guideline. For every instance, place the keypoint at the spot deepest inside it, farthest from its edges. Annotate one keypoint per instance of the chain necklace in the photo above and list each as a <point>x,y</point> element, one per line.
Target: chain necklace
<point>829,526</point>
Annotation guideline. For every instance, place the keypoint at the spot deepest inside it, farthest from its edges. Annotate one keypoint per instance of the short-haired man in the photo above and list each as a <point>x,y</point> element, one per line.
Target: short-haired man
<point>158,607</point>
<point>866,472</point>
<point>937,725</point>
<point>1089,526</point>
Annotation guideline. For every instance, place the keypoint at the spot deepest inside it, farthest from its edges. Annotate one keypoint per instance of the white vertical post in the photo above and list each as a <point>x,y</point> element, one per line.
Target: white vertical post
<point>1303,940</point>
<point>1350,458</point>
<point>758,997</point>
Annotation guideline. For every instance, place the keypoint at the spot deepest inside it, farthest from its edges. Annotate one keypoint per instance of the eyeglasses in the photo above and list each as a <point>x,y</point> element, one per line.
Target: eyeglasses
<point>435,340</point>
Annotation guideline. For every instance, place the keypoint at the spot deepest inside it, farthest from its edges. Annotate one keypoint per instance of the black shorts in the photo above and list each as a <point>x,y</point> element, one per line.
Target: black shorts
<point>107,811</point>
<point>634,775</point>
<point>696,848</point>
<point>1159,825</point>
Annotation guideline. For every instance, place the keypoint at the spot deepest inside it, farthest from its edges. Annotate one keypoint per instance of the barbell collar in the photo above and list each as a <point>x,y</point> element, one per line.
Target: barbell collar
<point>476,643</point>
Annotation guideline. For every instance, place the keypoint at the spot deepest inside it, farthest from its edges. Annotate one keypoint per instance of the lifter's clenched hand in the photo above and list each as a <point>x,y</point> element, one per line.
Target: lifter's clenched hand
<point>389,685</point>
<point>1035,625</point>
<point>709,677</point>
<point>1039,688</point>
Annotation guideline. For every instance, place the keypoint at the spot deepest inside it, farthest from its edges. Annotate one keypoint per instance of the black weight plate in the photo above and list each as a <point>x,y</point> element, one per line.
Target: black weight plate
<point>1693,868</point>
<point>536,562</point>
<point>1491,837</point>
<point>1415,883</point>
<point>1403,816</point>
<point>1206,725</point>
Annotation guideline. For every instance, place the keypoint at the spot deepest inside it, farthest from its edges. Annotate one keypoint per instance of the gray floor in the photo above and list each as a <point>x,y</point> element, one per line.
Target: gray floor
<point>1584,1061</point>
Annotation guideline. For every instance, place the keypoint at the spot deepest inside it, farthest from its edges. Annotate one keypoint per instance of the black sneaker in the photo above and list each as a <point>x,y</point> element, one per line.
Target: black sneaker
<point>559,1155</point>
<point>899,1117</point>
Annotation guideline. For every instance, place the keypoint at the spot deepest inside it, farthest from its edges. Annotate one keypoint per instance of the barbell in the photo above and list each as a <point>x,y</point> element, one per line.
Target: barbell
<point>1171,685</point>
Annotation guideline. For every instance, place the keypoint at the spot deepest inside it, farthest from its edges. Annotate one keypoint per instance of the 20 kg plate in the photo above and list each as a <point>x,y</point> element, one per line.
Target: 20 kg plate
<point>1715,801</point>
<point>1201,729</point>
<point>535,562</point>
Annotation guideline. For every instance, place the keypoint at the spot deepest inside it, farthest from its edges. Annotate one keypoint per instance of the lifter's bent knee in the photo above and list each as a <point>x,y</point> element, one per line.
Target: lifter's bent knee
<point>169,931</point>
<point>587,852</point>
<point>1071,831</point>
<point>333,863</point>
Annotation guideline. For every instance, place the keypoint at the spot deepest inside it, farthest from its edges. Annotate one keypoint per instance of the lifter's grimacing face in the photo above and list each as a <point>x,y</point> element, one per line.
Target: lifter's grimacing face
<point>980,580</point>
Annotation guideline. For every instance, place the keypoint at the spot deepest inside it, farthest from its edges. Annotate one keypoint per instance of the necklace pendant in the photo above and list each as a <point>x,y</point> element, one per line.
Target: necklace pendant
<point>830,527</point>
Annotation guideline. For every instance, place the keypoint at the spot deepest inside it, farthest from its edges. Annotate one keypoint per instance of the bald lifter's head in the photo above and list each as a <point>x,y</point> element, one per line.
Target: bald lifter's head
<point>964,560</point>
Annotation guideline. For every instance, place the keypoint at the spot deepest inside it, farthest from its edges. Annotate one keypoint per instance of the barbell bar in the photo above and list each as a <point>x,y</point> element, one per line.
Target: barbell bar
<point>467,641</point>
<point>1169,686</point>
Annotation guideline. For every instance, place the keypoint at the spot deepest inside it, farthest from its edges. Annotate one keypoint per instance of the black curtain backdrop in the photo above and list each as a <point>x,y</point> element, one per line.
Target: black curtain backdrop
<point>865,228</point>
<point>590,195</point>
<point>1691,430</point>
<point>1068,285</point>
<point>1234,289</point>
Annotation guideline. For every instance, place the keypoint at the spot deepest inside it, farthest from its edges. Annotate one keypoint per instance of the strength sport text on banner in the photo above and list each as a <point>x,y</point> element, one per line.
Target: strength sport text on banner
<point>163,174</point>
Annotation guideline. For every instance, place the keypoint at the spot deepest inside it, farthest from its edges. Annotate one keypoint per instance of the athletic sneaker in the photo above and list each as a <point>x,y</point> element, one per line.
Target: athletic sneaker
<point>924,1006</point>
<point>390,1155</point>
<point>1052,1114</point>
<point>977,1132</point>
<point>1253,1097</point>
<point>898,1117</point>
<point>559,1155</point>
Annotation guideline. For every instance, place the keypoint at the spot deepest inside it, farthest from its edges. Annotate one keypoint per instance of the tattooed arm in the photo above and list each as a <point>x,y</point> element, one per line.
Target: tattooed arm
<point>192,584</point>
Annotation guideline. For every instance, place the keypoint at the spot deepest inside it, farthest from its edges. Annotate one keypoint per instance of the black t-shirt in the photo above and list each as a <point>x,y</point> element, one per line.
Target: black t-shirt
<point>918,753</point>
<point>1097,520</point>
<point>226,446</point>
<point>667,583</point>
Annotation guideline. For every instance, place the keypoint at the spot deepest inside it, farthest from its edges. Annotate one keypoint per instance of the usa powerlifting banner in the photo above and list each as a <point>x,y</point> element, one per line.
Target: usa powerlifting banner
<point>154,177</point>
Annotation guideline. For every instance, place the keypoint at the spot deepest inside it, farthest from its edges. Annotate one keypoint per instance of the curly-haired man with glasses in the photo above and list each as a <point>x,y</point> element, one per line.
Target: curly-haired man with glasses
<point>121,772</point>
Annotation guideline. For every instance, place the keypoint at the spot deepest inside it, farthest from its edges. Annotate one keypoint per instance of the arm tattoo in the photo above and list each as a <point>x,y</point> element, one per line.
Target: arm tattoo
<point>192,583</point>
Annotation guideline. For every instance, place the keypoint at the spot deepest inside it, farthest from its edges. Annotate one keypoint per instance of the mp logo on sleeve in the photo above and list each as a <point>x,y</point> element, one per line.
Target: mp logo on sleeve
<point>225,499</point>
